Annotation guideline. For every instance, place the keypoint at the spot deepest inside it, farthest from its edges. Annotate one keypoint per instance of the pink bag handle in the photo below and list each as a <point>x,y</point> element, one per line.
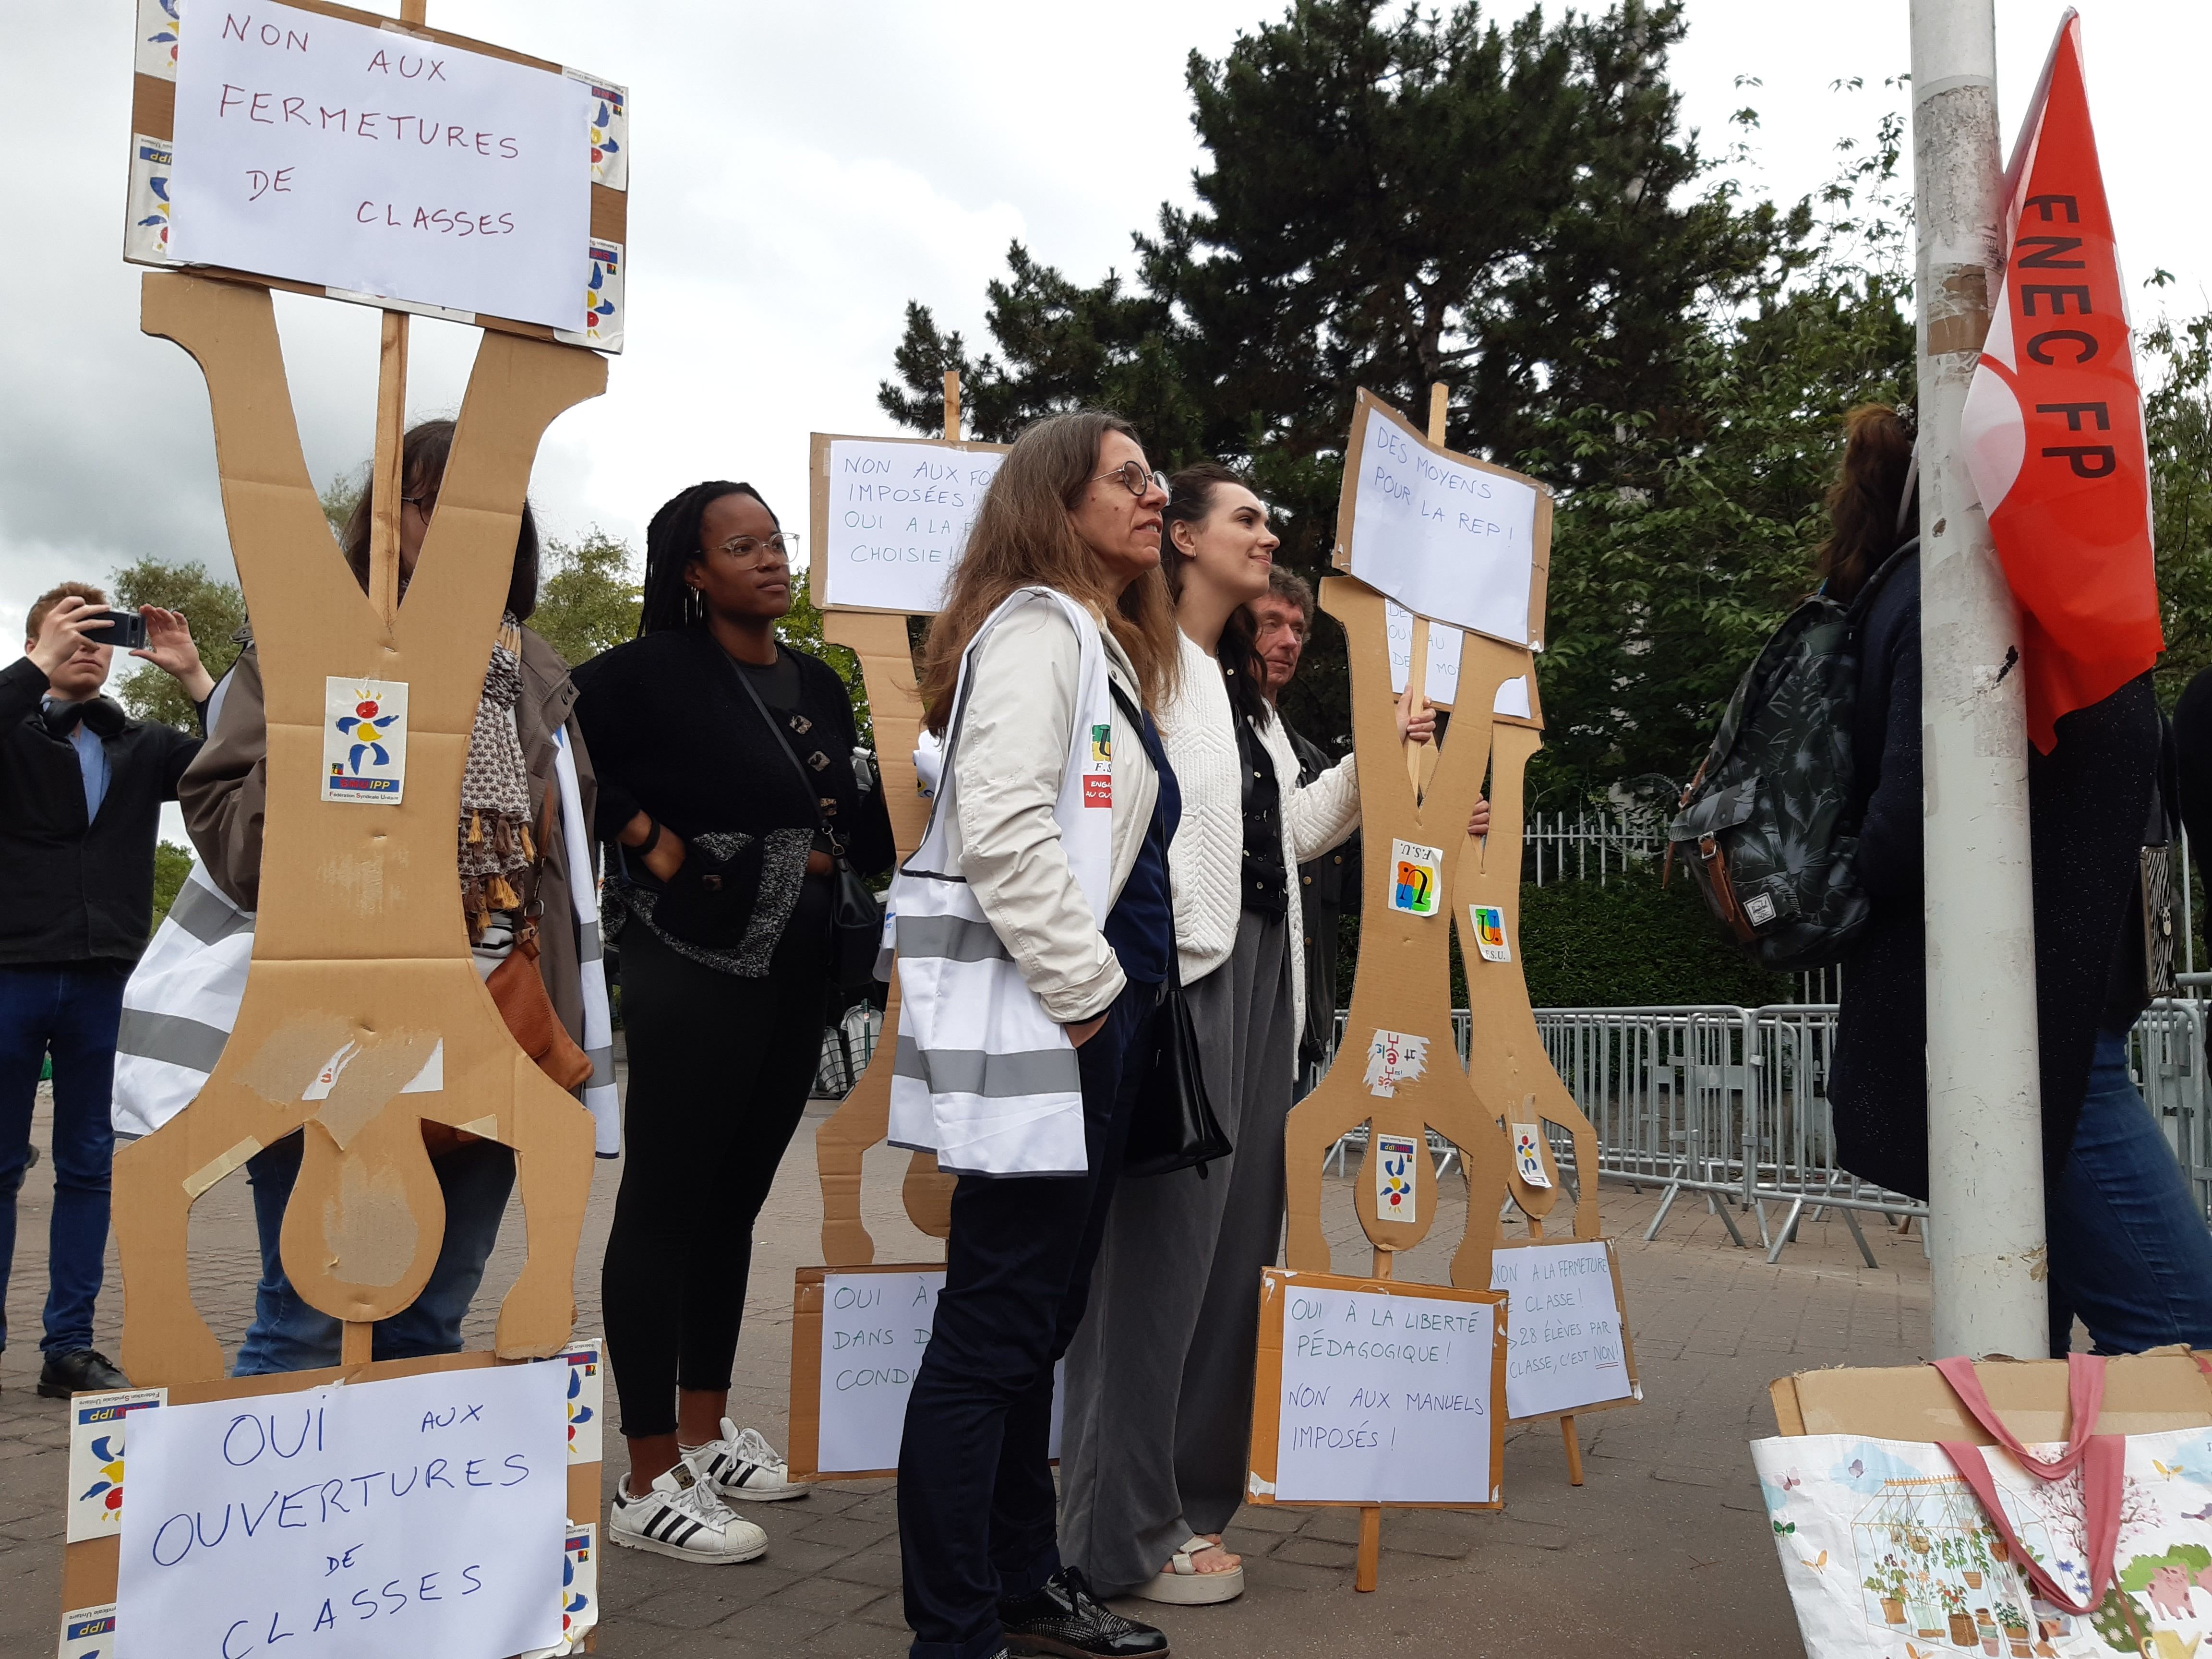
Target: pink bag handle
<point>2085,1395</point>
<point>2103,1466</point>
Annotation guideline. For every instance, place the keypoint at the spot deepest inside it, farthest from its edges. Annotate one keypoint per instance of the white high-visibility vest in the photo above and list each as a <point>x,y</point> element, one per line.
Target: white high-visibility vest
<point>182,998</point>
<point>983,1077</point>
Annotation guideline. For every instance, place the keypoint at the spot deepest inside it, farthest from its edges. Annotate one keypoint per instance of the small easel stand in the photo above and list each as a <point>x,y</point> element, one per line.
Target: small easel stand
<point>1398,1073</point>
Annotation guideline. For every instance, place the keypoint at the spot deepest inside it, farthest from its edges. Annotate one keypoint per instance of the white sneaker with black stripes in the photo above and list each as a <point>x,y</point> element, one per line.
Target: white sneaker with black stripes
<point>742,1465</point>
<point>679,1515</point>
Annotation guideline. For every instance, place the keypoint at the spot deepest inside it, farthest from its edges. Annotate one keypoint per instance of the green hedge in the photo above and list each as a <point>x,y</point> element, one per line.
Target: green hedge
<point>1626,944</point>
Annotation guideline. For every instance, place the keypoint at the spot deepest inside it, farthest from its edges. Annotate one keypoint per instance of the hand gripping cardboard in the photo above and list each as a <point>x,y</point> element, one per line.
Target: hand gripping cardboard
<point>360,955</point>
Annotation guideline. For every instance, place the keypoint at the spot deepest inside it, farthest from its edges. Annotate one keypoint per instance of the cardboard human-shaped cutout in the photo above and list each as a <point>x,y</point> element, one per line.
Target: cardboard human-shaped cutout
<point>363,1017</point>
<point>1398,1071</point>
<point>878,637</point>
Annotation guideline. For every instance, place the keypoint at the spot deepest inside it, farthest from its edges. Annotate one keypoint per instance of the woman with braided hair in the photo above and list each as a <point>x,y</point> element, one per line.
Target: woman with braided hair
<point>730,784</point>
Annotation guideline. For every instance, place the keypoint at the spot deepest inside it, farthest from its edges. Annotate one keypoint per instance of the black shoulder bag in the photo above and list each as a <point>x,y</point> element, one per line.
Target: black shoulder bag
<point>1173,1125</point>
<point>856,915</point>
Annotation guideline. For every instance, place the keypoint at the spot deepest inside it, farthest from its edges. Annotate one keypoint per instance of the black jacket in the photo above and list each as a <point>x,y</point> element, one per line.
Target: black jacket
<point>77,891</point>
<point>1328,889</point>
<point>673,735</point>
<point>2088,800</point>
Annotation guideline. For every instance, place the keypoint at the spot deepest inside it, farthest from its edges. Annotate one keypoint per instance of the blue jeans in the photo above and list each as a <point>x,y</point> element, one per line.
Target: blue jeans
<point>289,1336</point>
<point>72,1012</point>
<point>2129,1249</point>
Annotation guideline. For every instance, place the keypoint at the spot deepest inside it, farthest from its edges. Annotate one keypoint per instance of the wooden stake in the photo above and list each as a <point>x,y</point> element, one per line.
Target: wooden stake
<point>1417,665</point>
<point>952,405</point>
<point>1574,1449</point>
<point>1366,1571</point>
<point>386,474</point>
<point>1364,1574</point>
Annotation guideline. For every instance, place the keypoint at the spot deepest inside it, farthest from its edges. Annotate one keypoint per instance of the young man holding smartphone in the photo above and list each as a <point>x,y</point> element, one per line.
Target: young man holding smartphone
<point>82,785</point>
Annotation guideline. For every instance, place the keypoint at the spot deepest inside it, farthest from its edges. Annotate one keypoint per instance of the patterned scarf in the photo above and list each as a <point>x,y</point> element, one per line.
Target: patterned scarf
<point>495,844</point>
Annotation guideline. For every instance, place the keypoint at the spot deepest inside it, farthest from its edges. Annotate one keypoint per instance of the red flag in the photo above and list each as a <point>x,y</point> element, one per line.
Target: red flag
<point>2053,427</point>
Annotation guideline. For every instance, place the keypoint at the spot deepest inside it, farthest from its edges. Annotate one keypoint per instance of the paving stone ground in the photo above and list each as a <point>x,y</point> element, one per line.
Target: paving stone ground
<point>1665,1551</point>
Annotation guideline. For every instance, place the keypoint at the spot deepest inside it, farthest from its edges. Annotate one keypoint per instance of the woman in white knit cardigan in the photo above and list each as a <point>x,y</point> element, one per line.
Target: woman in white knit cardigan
<point>1157,1395</point>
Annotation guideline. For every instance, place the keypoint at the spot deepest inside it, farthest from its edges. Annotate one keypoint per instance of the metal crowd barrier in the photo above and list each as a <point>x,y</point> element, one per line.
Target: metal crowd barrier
<point>1728,1104</point>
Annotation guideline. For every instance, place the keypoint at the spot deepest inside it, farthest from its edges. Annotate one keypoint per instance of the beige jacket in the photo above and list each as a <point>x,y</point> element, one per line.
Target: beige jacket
<point>224,794</point>
<point>1016,728</point>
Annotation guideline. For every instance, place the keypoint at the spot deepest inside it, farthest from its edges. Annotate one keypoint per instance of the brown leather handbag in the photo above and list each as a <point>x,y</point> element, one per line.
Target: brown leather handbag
<point>520,989</point>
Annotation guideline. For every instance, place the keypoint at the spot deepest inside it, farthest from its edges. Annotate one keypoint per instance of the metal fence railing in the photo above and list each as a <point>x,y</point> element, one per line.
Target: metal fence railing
<point>1563,847</point>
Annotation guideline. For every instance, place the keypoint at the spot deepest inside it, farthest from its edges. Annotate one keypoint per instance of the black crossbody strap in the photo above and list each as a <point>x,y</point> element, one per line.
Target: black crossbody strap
<point>805,779</point>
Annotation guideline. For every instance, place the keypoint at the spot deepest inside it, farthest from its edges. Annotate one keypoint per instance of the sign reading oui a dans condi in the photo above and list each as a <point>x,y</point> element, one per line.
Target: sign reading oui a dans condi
<point>373,161</point>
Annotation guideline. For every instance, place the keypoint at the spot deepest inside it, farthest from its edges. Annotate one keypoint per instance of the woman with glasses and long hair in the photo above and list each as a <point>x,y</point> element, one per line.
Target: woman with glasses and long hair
<point>1159,1379</point>
<point>1034,934</point>
<point>510,793</point>
<point>735,785</point>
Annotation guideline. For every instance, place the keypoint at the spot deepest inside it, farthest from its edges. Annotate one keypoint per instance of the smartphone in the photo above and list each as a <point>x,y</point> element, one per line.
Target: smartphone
<point>126,631</point>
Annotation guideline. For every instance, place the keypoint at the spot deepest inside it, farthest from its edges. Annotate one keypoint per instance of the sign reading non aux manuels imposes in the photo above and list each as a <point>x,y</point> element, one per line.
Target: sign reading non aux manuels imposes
<point>374,162</point>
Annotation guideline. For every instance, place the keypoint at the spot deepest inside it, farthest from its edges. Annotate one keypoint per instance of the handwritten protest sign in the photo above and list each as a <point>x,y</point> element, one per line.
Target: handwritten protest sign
<point>891,518</point>
<point>1565,1346</point>
<point>856,1343</point>
<point>418,1515</point>
<point>315,150</point>
<point>1377,1395</point>
<point>1445,538</point>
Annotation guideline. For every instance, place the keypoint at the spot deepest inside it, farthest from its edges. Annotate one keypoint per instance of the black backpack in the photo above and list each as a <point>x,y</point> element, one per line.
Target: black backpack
<point>1767,825</point>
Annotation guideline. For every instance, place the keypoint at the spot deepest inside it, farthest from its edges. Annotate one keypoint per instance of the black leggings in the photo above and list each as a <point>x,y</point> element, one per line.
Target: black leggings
<point>719,1072</point>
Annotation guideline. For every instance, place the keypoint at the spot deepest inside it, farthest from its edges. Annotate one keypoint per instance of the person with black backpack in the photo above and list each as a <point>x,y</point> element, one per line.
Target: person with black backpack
<point>2130,1254</point>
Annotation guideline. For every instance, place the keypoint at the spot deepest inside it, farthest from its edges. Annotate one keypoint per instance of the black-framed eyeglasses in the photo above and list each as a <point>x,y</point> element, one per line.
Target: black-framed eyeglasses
<point>1136,479</point>
<point>751,549</point>
<point>426,503</point>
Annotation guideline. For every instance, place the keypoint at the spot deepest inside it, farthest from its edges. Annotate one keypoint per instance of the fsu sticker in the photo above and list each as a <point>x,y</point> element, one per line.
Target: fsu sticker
<point>1489,921</point>
<point>1416,877</point>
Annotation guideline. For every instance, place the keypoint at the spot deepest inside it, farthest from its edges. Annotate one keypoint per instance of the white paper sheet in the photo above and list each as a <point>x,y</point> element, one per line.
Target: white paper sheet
<point>88,1632</point>
<point>874,1326</point>
<point>422,1515</point>
<point>1446,540</point>
<point>1563,1329</point>
<point>368,161</point>
<point>1386,1399</point>
<point>899,518</point>
<point>1440,674</point>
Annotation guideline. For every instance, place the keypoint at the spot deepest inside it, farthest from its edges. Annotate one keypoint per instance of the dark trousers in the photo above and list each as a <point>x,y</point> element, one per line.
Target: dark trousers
<point>72,1012</point>
<point>975,1498</point>
<point>719,1068</point>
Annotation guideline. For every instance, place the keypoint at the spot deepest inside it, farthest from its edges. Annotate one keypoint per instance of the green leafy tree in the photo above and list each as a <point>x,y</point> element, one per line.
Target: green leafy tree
<point>341,495</point>
<point>587,596</point>
<point>1393,198</point>
<point>171,863</point>
<point>2176,358</point>
<point>214,608</point>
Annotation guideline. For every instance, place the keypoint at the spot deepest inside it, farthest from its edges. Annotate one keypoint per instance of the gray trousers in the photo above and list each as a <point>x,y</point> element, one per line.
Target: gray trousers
<point>1157,1422</point>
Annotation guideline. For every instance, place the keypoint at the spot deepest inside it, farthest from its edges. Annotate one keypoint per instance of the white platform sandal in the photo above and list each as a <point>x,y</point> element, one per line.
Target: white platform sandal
<point>1184,1586</point>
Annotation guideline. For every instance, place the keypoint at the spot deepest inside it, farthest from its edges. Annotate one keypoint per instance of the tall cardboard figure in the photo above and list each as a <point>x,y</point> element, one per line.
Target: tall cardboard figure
<point>1398,1070</point>
<point>363,1016</point>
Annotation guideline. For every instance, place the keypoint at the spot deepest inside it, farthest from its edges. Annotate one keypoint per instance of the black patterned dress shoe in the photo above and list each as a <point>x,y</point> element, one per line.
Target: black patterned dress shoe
<point>1063,1617</point>
<point>81,1370</point>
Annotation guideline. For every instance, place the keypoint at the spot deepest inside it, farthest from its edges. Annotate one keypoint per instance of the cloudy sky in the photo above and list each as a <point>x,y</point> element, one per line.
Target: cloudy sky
<point>800,172</point>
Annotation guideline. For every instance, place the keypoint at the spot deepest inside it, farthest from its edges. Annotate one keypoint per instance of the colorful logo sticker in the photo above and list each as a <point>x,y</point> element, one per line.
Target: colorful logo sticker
<point>587,1390</point>
<point>97,1423</point>
<point>1101,745</point>
<point>1489,923</point>
<point>364,740</point>
<point>1528,1154</point>
<point>88,1632</point>
<point>1417,877</point>
<point>1393,1177</point>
